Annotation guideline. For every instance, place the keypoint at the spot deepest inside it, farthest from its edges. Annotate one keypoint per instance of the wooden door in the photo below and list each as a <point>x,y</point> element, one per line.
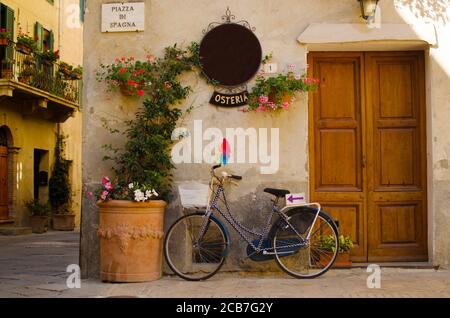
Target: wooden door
<point>397,207</point>
<point>367,155</point>
<point>3,183</point>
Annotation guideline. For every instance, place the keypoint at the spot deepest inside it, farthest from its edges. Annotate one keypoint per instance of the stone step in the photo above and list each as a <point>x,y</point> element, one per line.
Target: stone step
<point>15,230</point>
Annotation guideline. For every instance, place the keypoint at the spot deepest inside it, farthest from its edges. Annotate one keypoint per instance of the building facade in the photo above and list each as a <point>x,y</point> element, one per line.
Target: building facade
<point>371,144</point>
<point>37,102</point>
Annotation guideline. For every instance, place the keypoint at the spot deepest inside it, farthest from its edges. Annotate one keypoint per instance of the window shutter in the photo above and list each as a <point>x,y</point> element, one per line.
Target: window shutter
<point>38,36</point>
<point>82,6</point>
<point>10,27</point>
<point>52,41</point>
<point>10,22</point>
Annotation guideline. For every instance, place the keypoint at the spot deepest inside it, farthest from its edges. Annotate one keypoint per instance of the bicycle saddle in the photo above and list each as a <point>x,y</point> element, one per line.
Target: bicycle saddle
<point>277,192</point>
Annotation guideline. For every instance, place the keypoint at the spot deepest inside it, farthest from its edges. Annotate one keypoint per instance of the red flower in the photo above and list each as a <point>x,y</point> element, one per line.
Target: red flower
<point>131,82</point>
<point>122,70</point>
<point>140,92</point>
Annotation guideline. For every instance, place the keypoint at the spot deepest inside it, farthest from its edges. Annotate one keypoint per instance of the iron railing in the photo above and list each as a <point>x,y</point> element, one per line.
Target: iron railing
<point>33,70</point>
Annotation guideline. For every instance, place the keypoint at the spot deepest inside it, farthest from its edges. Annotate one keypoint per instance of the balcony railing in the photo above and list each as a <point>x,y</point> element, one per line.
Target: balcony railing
<point>35,71</point>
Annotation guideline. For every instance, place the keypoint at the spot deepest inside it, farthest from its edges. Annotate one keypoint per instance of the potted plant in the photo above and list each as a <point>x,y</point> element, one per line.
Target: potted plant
<point>131,207</point>
<point>60,191</point>
<point>65,69</point>
<point>38,216</point>
<point>276,93</point>
<point>4,36</point>
<point>343,260</point>
<point>25,43</point>
<point>7,68</point>
<point>127,74</point>
<point>49,56</point>
<point>77,72</point>
<point>26,75</point>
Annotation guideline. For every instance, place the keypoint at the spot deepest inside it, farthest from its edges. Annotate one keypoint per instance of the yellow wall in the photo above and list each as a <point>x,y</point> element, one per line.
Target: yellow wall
<point>29,132</point>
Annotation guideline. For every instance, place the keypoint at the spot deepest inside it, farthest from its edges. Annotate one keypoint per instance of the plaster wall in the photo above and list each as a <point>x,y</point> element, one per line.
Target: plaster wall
<point>278,25</point>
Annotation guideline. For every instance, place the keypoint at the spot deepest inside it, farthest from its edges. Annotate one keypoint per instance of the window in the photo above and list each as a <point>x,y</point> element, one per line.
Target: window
<point>7,22</point>
<point>44,38</point>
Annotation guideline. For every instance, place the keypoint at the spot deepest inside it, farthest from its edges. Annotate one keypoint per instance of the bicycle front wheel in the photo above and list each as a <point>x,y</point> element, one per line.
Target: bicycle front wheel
<point>190,256</point>
<point>302,258</point>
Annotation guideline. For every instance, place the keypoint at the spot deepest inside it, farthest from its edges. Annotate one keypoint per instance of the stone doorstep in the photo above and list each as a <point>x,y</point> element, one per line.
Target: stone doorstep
<point>410,265</point>
<point>15,230</point>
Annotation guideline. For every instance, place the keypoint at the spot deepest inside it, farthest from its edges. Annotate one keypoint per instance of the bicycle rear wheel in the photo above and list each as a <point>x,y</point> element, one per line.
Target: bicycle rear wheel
<point>192,257</point>
<point>306,259</point>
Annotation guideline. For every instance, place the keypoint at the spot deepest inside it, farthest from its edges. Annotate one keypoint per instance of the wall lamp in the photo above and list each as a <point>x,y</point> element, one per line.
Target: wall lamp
<point>368,8</point>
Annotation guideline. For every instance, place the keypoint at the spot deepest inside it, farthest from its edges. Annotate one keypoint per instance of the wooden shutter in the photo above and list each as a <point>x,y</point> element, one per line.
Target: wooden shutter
<point>10,27</point>
<point>52,41</point>
<point>38,35</point>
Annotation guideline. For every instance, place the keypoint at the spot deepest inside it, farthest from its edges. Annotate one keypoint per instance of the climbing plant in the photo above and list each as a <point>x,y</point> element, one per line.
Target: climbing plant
<point>145,156</point>
<point>59,186</point>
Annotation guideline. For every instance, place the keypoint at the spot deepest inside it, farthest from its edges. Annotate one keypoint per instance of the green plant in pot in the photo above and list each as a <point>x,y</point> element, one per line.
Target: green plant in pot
<point>134,200</point>
<point>25,43</point>
<point>77,72</point>
<point>39,214</point>
<point>276,93</point>
<point>327,243</point>
<point>50,56</point>
<point>60,190</point>
<point>4,36</point>
<point>65,69</point>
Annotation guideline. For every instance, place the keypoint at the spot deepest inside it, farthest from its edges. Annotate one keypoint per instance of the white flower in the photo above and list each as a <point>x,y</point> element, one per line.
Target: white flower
<point>155,193</point>
<point>148,194</point>
<point>130,186</point>
<point>139,195</point>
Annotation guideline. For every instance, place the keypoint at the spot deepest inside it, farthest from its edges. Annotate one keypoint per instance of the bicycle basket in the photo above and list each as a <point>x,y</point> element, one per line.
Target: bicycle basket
<point>193,194</point>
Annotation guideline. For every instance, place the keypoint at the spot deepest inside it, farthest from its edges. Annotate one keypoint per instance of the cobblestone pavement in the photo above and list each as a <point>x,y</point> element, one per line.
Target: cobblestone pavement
<point>35,266</point>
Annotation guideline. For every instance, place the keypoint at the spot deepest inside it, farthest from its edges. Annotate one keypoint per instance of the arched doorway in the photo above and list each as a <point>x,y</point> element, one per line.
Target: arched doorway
<point>5,142</point>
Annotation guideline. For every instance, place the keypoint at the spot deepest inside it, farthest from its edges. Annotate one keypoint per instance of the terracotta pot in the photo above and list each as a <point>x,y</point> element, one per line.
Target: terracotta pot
<point>131,240</point>
<point>342,261</point>
<point>39,224</point>
<point>285,98</point>
<point>24,49</point>
<point>7,74</point>
<point>64,222</point>
<point>3,41</point>
<point>25,79</point>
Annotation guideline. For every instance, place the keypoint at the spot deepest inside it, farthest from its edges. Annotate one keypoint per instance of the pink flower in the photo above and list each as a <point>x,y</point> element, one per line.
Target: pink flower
<point>291,67</point>
<point>272,105</point>
<point>179,57</point>
<point>105,180</point>
<point>104,195</point>
<point>89,194</point>
<point>263,99</point>
<point>298,77</point>
<point>261,108</point>
<point>117,60</point>
<point>167,84</point>
<point>108,186</point>
<point>285,105</point>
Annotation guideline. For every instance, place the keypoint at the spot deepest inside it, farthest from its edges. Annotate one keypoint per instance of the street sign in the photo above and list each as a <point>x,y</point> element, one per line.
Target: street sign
<point>295,198</point>
<point>123,17</point>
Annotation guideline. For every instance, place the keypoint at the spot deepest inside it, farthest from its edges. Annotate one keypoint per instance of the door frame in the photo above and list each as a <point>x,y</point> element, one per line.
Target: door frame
<point>426,137</point>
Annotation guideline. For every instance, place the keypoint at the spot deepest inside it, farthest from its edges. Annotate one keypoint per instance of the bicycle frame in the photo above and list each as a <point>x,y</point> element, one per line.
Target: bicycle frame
<point>240,228</point>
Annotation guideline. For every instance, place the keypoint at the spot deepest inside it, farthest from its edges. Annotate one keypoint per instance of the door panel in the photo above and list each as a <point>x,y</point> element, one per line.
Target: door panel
<point>3,183</point>
<point>397,177</point>
<point>367,150</point>
<point>335,135</point>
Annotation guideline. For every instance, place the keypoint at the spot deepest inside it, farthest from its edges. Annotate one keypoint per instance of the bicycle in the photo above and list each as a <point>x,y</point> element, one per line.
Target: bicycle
<point>196,245</point>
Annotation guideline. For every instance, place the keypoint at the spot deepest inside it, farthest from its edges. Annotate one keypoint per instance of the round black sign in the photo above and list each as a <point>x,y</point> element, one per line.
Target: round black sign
<point>230,54</point>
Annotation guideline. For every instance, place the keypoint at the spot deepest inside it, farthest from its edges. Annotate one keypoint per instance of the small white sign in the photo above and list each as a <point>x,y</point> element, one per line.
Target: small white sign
<point>123,17</point>
<point>270,68</point>
<point>295,198</point>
